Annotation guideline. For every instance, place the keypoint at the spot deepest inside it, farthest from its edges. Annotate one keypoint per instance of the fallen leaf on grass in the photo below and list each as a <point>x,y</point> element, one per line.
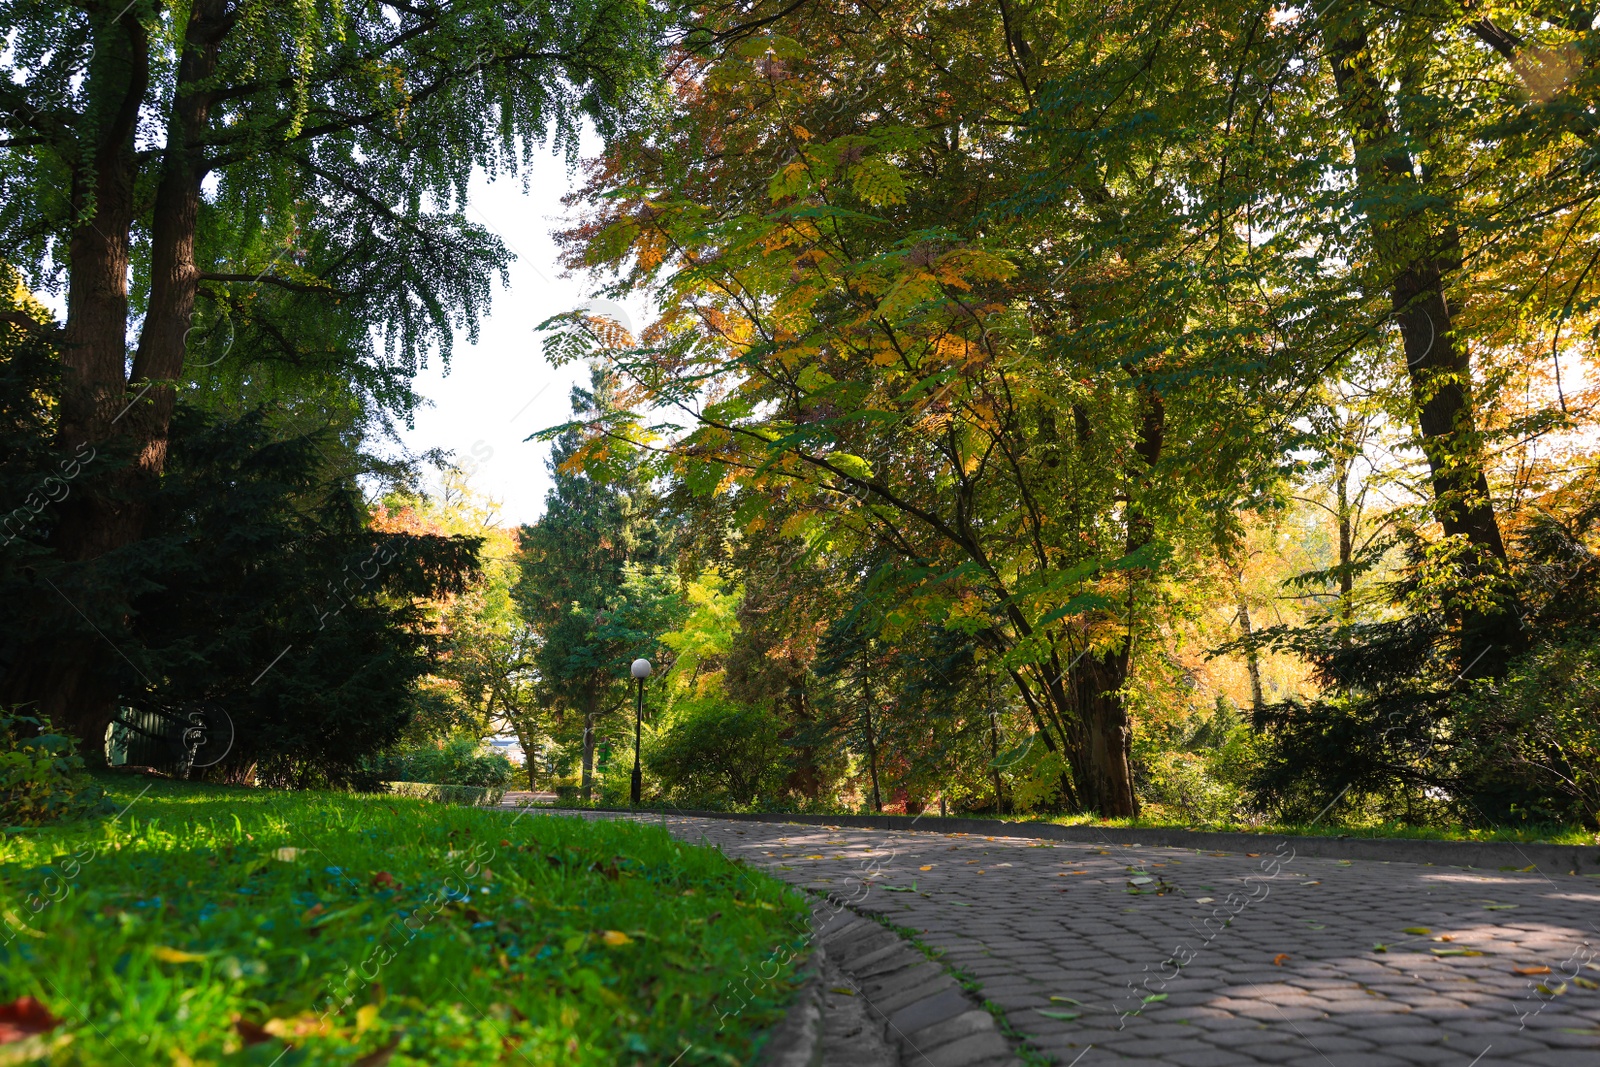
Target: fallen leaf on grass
<point>1278,960</point>
<point>383,880</point>
<point>287,855</point>
<point>24,1017</point>
<point>1537,969</point>
<point>253,1033</point>
<point>172,955</point>
<point>616,938</point>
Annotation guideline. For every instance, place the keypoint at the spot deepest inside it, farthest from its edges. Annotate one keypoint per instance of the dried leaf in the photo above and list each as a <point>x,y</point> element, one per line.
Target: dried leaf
<point>1280,959</point>
<point>23,1017</point>
<point>1537,969</point>
<point>172,955</point>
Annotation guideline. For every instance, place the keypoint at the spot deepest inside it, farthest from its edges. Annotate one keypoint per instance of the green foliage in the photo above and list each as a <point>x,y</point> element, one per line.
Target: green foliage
<point>591,581</point>
<point>458,761</point>
<point>258,547</point>
<point>715,753</point>
<point>1532,751</point>
<point>41,774</point>
<point>388,927</point>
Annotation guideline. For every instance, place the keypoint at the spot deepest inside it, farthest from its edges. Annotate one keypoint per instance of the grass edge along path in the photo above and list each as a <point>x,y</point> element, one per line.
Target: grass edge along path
<point>1505,855</point>
<point>211,925</point>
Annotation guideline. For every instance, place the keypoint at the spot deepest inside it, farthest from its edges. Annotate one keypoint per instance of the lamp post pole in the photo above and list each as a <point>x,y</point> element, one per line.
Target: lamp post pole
<point>641,671</point>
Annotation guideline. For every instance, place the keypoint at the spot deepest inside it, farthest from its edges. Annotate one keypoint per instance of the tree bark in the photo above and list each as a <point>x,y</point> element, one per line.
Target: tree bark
<point>101,407</point>
<point>872,740</point>
<point>74,680</point>
<point>1099,677</point>
<point>1252,659</point>
<point>588,747</point>
<point>1414,252</point>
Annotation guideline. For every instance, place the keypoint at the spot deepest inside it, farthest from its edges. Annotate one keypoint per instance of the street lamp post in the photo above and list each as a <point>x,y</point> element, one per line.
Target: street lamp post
<point>641,671</point>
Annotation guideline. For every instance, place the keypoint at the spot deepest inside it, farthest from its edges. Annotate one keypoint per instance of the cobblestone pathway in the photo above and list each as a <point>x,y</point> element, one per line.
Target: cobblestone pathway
<point>1123,954</point>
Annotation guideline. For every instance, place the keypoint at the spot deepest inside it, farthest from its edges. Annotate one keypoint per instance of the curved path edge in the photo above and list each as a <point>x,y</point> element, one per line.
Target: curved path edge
<point>1547,859</point>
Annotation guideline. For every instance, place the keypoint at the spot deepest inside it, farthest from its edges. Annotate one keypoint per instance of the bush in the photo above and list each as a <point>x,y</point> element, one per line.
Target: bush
<point>41,774</point>
<point>459,761</point>
<point>477,796</point>
<point>1534,754</point>
<point>1183,784</point>
<point>714,753</point>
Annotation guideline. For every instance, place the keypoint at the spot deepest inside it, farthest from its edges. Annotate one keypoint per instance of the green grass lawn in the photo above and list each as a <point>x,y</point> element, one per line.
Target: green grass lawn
<point>212,925</point>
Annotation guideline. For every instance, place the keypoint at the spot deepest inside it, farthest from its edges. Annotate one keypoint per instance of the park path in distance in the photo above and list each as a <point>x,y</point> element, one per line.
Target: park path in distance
<point>1281,967</point>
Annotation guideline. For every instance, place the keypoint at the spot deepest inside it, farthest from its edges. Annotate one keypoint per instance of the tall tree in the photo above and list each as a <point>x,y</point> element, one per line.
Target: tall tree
<point>287,167</point>
<point>586,585</point>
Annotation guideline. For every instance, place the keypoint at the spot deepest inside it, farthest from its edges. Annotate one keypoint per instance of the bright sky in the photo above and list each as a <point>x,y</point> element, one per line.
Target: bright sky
<point>502,389</point>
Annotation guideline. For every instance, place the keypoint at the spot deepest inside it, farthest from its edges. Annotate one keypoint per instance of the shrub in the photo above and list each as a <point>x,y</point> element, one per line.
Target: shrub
<point>41,774</point>
<point>459,761</point>
<point>1183,784</point>
<point>1534,753</point>
<point>715,753</point>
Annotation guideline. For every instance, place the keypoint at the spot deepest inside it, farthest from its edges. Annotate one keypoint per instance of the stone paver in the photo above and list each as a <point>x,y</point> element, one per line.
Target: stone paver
<point>1223,958</point>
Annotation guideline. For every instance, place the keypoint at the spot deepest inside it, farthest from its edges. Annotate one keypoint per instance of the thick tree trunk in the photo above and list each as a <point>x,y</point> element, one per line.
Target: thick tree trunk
<point>75,679</point>
<point>101,407</point>
<point>1106,778</point>
<point>1414,251</point>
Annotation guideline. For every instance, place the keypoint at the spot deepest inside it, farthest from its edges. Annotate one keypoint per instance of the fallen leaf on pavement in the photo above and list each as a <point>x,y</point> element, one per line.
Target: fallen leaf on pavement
<point>1278,960</point>
<point>1064,1016</point>
<point>1552,990</point>
<point>1586,983</point>
<point>1539,969</point>
<point>1420,931</point>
